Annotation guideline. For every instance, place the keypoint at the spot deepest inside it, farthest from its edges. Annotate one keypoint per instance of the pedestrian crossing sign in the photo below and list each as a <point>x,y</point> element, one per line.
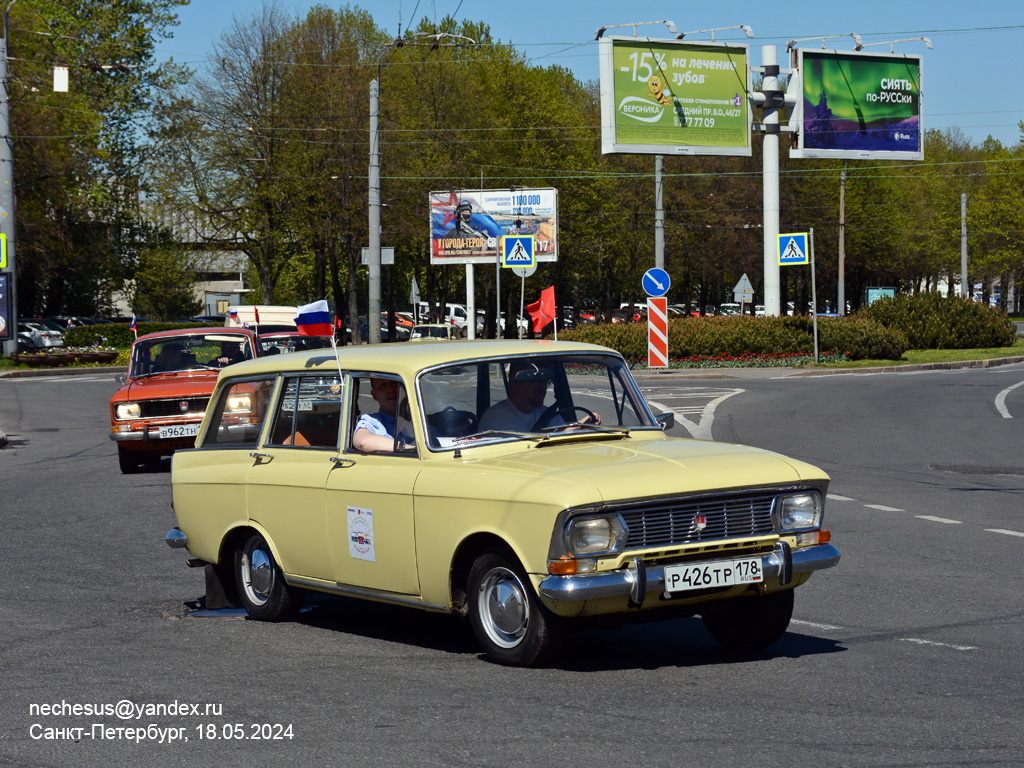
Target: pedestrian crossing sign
<point>517,251</point>
<point>793,249</point>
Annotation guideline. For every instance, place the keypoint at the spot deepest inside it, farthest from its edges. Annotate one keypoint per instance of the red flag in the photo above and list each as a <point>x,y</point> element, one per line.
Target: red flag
<point>257,311</point>
<point>542,311</point>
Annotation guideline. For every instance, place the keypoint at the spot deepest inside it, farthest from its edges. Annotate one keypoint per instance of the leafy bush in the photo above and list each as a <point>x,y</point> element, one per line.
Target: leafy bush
<point>933,322</point>
<point>707,338</point>
<point>118,334</point>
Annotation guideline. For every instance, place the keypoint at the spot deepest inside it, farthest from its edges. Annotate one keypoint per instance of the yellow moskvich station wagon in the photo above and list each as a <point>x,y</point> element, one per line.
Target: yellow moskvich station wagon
<point>524,484</point>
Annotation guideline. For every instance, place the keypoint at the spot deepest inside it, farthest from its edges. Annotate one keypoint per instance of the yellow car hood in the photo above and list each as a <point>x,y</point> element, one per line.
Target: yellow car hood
<point>591,471</point>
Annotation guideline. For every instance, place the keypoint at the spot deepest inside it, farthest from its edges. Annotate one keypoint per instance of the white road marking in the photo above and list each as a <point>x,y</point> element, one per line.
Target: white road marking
<point>702,429</point>
<point>1001,400</point>
<point>1006,532</point>
<point>939,645</point>
<point>813,624</point>
<point>837,497</point>
<point>939,519</point>
<point>884,508</point>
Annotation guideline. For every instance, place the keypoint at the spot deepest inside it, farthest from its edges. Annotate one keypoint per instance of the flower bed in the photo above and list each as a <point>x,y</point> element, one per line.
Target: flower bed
<point>750,360</point>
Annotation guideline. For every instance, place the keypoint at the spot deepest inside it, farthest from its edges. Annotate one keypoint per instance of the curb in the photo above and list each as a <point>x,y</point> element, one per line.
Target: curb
<point>751,373</point>
<point>35,372</point>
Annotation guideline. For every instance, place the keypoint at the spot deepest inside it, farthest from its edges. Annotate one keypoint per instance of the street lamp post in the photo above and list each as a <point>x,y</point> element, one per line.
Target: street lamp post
<point>373,198</point>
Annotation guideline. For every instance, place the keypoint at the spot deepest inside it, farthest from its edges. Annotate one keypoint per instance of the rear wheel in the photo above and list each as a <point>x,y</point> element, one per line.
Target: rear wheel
<point>261,586</point>
<point>509,621</point>
<point>128,460</point>
<point>750,623</point>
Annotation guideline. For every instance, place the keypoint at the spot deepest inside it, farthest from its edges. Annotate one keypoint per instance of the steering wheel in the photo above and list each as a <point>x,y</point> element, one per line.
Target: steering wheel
<point>555,408</point>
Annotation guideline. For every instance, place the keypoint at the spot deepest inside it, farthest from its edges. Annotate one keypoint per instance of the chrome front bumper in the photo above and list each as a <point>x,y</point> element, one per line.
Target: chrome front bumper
<point>150,434</point>
<point>637,579</point>
<point>176,539</point>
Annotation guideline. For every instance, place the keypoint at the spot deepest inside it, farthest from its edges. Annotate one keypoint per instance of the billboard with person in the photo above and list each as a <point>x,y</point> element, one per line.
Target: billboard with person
<point>466,226</point>
<point>859,106</point>
<point>668,97</point>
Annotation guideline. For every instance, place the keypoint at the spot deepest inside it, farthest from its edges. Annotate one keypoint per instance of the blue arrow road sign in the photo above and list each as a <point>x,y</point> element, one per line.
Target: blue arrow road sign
<point>656,282</point>
<point>793,249</point>
<point>517,251</point>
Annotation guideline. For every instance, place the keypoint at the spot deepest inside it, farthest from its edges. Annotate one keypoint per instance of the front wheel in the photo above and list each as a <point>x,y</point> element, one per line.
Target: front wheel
<point>261,586</point>
<point>750,623</point>
<point>508,619</point>
<point>128,460</point>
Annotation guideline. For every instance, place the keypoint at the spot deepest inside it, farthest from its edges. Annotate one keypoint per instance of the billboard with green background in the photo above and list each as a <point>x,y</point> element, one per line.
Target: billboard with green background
<point>860,106</point>
<point>669,97</point>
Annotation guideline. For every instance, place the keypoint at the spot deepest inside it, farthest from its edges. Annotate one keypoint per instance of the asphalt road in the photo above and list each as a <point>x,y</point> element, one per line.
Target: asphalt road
<point>906,654</point>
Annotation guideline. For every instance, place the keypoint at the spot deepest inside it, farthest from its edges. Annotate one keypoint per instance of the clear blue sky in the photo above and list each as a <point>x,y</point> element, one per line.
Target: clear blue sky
<point>971,78</point>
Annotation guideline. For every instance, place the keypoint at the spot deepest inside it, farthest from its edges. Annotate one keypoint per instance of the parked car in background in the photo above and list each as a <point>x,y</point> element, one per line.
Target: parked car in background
<point>582,510</point>
<point>434,331</point>
<point>279,342</point>
<point>161,402</point>
<point>36,336</point>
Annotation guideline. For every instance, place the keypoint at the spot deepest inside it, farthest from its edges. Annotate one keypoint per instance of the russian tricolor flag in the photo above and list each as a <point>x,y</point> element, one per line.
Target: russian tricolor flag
<point>315,320</point>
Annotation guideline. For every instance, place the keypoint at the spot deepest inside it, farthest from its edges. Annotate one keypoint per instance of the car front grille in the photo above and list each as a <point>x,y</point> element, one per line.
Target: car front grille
<point>155,409</point>
<point>668,522</point>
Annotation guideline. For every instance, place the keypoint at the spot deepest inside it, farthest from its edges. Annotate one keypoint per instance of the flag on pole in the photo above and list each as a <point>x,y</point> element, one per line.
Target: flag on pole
<point>233,314</point>
<point>256,312</point>
<point>315,320</point>
<point>133,329</point>
<point>542,311</point>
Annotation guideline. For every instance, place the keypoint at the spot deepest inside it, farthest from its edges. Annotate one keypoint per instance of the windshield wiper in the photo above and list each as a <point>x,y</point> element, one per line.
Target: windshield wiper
<point>579,427</point>
<point>492,433</point>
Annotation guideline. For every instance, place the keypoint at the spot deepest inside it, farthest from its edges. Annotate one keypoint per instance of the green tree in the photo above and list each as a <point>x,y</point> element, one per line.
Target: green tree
<point>77,158</point>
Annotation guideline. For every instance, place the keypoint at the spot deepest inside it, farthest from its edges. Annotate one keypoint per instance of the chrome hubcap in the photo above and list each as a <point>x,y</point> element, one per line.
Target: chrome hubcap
<point>258,574</point>
<point>504,607</point>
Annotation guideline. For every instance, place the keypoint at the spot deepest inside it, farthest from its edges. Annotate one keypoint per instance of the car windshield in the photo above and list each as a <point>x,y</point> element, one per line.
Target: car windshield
<point>530,398</point>
<point>430,332</point>
<point>188,352</point>
<point>278,343</point>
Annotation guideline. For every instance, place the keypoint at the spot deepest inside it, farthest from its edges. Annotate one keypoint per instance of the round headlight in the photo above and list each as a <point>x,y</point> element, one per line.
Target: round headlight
<point>128,410</point>
<point>798,511</point>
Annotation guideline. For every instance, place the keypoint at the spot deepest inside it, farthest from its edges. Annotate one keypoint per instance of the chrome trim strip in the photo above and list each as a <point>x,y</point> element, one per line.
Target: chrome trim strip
<point>594,586</point>
<point>366,594</point>
<point>176,539</point>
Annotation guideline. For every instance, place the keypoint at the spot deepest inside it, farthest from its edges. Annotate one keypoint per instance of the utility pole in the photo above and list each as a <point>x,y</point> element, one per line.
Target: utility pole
<point>7,190</point>
<point>964,284</point>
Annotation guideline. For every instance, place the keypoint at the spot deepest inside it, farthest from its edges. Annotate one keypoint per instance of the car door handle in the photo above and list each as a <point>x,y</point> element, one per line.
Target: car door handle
<point>261,456</point>
<point>342,463</point>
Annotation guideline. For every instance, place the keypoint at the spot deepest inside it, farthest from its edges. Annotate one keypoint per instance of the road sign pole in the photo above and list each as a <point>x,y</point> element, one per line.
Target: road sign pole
<point>814,292</point>
<point>659,215</point>
<point>470,303</point>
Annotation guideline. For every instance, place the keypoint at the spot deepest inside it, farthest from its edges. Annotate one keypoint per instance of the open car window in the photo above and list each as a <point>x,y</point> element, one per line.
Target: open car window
<point>525,397</point>
<point>386,415</point>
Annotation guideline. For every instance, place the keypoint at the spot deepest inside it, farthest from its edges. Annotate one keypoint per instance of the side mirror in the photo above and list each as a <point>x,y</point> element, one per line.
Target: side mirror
<point>666,420</point>
<point>121,379</point>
